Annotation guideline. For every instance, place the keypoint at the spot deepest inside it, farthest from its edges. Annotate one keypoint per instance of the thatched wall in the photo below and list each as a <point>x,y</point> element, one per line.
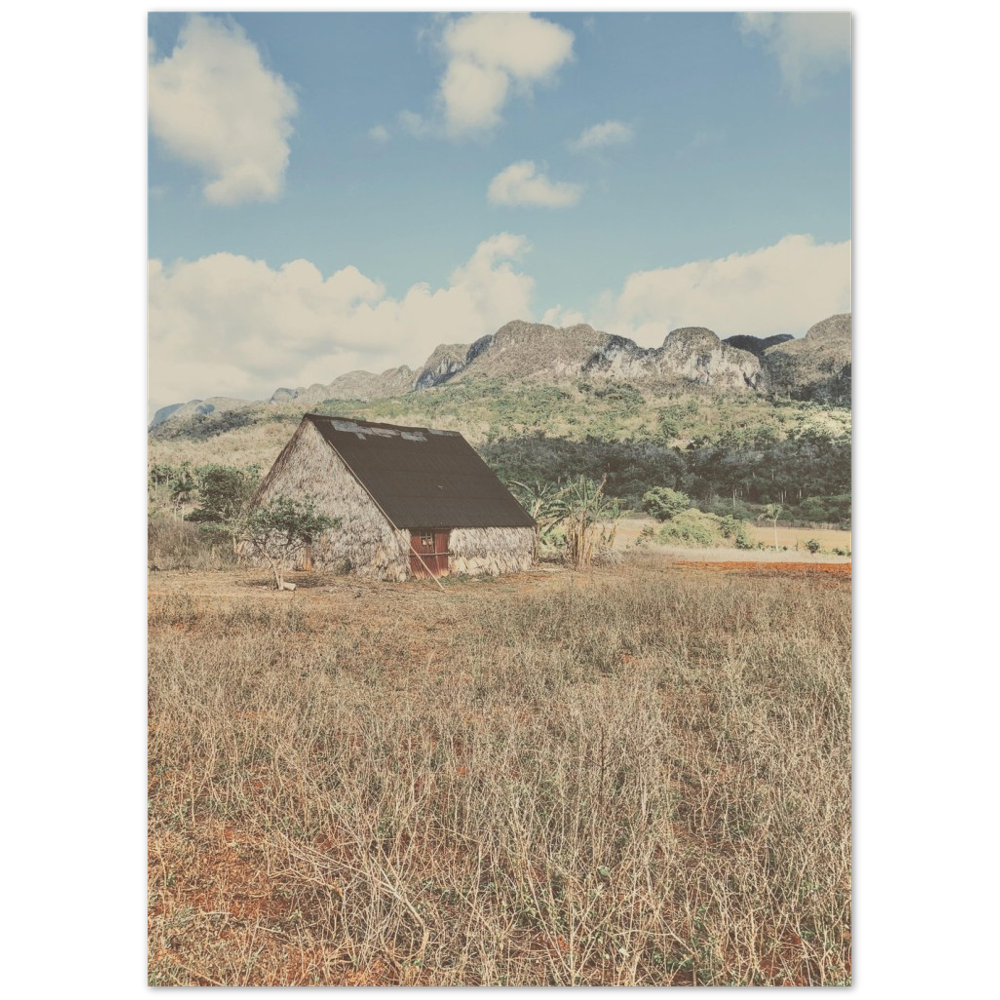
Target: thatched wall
<point>308,466</point>
<point>478,551</point>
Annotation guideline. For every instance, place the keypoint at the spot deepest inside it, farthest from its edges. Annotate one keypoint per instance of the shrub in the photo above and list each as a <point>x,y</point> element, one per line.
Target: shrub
<point>812,545</point>
<point>736,530</point>
<point>693,528</point>
<point>664,503</point>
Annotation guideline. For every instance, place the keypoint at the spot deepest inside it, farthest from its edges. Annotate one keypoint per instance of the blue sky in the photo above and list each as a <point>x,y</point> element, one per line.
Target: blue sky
<point>340,191</point>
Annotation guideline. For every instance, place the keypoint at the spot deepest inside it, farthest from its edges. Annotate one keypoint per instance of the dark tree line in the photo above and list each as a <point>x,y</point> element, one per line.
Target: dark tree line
<point>809,474</point>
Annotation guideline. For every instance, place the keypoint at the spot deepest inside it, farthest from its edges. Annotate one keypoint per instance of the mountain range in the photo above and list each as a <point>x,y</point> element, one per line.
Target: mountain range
<point>816,366</point>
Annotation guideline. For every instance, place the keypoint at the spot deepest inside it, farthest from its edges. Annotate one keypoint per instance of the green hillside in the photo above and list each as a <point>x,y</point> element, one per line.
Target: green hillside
<point>723,450</point>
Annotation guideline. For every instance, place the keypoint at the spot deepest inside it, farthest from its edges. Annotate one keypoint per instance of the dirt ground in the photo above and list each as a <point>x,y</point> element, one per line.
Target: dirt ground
<point>416,600</point>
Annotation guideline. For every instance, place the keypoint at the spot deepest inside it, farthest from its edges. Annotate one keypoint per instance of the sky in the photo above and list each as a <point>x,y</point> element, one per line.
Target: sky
<point>336,191</point>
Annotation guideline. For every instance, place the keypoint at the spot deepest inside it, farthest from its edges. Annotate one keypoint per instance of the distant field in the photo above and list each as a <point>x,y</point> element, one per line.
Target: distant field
<point>639,775</point>
<point>795,538</point>
<point>792,539</point>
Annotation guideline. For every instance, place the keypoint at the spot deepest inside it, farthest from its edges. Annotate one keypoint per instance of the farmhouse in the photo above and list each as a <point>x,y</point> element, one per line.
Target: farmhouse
<point>410,501</point>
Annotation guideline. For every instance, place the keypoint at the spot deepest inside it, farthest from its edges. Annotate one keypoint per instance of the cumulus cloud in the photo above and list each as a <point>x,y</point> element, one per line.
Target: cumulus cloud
<point>558,316</point>
<point>491,54</point>
<point>213,104</point>
<point>521,184</point>
<point>606,134</point>
<point>806,44</point>
<point>228,325</point>
<point>783,288</point>
<point>379,133</point>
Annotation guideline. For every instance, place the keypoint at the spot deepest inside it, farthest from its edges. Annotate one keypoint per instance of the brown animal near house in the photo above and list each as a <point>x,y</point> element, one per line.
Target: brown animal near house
<point>409,501</point>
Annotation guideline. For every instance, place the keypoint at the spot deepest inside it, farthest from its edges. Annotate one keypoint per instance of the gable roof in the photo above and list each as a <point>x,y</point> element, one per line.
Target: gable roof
<point>422,478</point>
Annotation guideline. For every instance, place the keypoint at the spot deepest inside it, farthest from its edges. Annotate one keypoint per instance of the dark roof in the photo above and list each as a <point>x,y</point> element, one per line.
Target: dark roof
<point>422,478</point>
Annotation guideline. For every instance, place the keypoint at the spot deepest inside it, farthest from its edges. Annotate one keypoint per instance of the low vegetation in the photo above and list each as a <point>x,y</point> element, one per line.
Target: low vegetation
<point>632,776</point>
<point>696,529</point>
<point>743,451</point>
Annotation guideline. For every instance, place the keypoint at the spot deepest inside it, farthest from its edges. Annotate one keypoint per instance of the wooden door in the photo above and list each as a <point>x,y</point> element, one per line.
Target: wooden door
<point>429,551</point>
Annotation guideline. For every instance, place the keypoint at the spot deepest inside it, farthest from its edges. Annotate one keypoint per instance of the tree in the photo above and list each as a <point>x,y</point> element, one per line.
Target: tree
<point>669,424</point>
<point>589,518</point>
<point>280,529</point>
<point>224,493</point>
<point>170,488</point>
<point>663,503</point>
<point>772,512</point>
<point>544,502</point>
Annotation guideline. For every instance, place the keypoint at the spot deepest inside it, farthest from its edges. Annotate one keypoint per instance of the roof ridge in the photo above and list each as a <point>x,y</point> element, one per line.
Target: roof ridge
<point>372,423</point>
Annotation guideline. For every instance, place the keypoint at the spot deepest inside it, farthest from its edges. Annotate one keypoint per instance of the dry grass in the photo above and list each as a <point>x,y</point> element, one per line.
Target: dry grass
<point>792,542</point>
<point>639,775</point>
<point>794,539</point>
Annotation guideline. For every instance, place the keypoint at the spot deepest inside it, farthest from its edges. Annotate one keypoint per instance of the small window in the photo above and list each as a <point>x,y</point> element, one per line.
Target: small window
<point>427,539</point>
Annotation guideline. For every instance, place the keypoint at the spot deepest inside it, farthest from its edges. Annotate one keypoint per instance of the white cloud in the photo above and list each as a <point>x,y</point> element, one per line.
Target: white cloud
<point>560,317</point>
<point>520,184</point>
<point>413,123</point>
<point>606,134</point>
<point>805,44</point>
<point>489,54</point>
<point>379,133</point>
<point>783,288</point>
<point>227,325</point>
<point>213,104</point>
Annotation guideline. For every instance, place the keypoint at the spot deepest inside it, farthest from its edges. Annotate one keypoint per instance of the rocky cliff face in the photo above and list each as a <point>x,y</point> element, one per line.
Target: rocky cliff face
<point>698,355</point>
<point>352,385</point>
<point>445,361</point>
<point>689,355</point>
<point>816,367</point>
<point>531,350</point>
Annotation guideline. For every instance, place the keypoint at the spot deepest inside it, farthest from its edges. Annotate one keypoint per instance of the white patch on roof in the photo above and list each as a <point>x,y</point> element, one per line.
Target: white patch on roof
<point>444,433</point>
<point>346,425</point>
<point>361,431</point>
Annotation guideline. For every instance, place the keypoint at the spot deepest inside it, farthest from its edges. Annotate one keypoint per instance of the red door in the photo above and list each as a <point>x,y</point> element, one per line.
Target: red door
<point>429,552</point>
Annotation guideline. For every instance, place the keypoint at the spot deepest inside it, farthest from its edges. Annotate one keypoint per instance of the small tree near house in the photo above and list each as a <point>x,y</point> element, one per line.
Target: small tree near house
<point>280,529</point>
<point>224,492</point>
<point>545,502</point>
<point>590,519</point>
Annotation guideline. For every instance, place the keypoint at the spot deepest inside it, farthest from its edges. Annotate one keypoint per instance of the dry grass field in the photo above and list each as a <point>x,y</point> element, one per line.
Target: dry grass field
<point>639,775</point>
<point>792,541</point>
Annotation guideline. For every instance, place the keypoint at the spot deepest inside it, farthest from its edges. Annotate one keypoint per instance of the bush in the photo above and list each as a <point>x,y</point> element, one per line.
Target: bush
<point>812,545</point>
<point>664,503</point>
<point>693,528</point>
<point>735,529</point>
